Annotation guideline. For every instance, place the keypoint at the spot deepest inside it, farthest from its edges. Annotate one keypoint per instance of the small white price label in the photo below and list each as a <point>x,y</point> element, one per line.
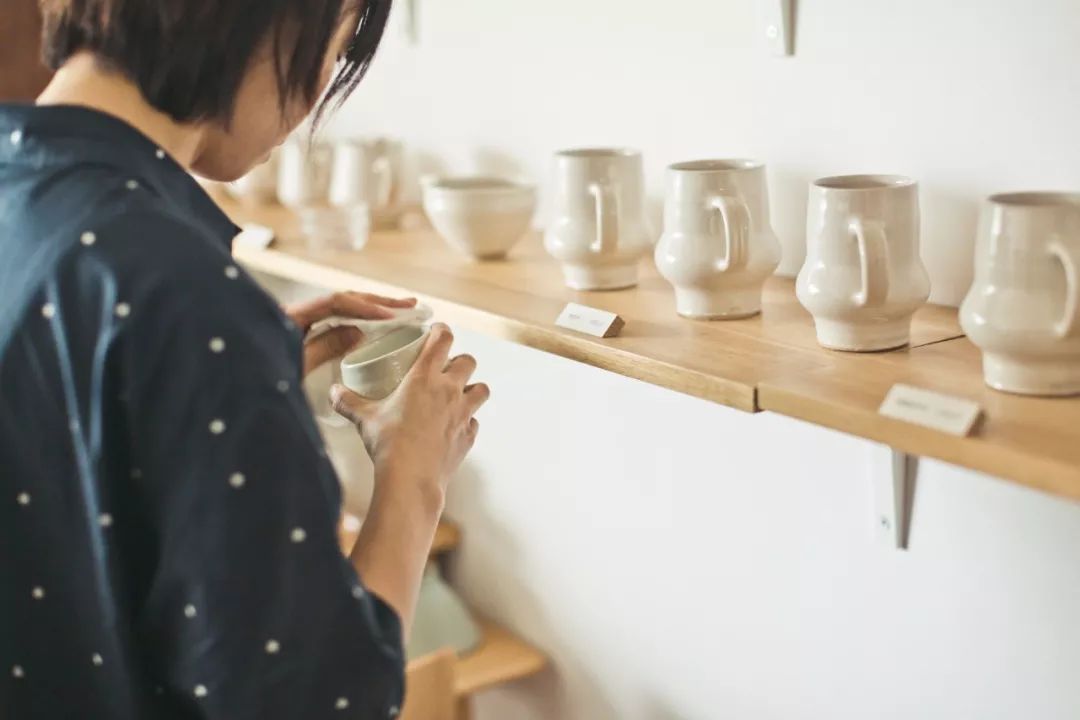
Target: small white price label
<point>254,237</point>
<point>953,415</point>
<point>591,321</point>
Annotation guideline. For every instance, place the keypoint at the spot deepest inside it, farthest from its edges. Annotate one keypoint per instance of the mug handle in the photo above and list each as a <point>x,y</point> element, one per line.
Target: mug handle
<point>873,263</point>
<point>607,218</point>
<point>735,216</point>
<point>1070,321</point>
<point>384,173</point>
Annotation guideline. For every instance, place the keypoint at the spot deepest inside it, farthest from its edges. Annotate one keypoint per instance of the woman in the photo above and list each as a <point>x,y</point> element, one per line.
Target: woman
<point>168,512</point>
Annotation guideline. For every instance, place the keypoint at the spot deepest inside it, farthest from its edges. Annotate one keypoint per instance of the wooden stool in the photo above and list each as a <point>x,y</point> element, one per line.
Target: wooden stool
<point>429,687</point>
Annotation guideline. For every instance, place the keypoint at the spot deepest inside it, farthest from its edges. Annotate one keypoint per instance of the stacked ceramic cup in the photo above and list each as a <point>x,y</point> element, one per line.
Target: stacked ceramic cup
<point>304,185</point>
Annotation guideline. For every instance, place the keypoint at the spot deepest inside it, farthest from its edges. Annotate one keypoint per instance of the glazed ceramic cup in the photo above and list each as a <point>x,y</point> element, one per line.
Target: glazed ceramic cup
<point>304,173</point>
<point>599,230</point>
<point>480,217</point>
<point>1022,310</point>
<point>375,369</point>
<point>718,245</point>
<point>863,278</point>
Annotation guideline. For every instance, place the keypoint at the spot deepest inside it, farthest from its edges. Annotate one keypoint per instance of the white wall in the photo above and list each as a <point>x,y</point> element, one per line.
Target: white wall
<point>683,560</point>
<point>968,96</point>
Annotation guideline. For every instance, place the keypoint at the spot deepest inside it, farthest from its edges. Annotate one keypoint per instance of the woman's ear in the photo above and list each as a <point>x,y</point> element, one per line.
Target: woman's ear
<point>22,74</point>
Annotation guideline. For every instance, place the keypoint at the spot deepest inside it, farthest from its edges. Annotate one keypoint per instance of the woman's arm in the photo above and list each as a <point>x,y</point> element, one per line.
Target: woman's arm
<point>417,438</point>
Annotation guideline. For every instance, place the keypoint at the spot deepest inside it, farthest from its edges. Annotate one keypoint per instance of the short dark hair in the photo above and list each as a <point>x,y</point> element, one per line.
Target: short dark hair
<point>188,57</point>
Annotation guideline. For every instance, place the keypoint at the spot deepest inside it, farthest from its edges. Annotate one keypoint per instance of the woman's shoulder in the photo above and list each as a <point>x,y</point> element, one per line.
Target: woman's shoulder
<point>183,271</point>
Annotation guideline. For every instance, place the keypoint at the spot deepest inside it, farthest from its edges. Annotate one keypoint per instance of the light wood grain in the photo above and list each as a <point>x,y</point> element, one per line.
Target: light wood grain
<point>429,688</point>
<point>447,538</point>
<point>501,657</point>
<point>1031,441</point>
<point>521,298</point>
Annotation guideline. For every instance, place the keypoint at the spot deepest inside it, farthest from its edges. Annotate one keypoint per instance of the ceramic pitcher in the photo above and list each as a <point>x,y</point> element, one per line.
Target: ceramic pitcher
<point>1022,310</point>
<point>368,172</point>
<point>304,173</point>
<point>718,245</point>
<point>863,278</point>
<point>599,229</point>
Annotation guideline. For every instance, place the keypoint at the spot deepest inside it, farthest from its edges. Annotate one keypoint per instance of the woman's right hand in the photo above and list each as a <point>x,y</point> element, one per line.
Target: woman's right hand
<point>420,434</point>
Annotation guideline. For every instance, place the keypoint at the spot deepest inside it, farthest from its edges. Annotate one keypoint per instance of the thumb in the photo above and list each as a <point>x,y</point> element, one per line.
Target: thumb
<point>331,345</point>
<point>349,405</point>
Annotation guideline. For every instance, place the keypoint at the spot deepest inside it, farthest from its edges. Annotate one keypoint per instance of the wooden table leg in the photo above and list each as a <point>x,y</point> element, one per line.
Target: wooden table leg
<point>464,709</point>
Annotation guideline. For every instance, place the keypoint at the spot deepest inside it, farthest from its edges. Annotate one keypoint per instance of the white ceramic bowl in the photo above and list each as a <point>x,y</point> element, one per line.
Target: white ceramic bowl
<point>483,217</point>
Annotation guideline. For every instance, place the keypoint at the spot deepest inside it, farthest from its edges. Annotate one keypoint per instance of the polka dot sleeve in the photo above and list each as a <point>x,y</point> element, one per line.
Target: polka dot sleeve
<point>250,608</point>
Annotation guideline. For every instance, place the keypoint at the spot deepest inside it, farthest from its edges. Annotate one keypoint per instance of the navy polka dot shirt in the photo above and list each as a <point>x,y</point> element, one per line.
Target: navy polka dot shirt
<point>167,511</point>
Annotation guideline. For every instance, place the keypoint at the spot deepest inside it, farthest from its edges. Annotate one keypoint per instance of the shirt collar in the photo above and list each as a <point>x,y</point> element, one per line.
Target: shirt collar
<point>46,134</point>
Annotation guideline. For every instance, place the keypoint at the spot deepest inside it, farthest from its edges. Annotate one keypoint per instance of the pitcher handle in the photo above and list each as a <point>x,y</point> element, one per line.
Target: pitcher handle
<point>1070,320</point>
<point>873,263</point>
<point>607,218</point>
<point>735,216</point>
<point>384,184</point>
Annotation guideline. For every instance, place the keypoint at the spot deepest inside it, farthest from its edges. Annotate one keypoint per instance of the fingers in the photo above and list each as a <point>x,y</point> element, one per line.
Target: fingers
<point>461,368</point>
<point>473,430</point>
<point>363,306</point>
<point>329,346</point>
<point>349,405</point>
<point>398,303</point>
<point>437,348</point>
<point>475,397</point>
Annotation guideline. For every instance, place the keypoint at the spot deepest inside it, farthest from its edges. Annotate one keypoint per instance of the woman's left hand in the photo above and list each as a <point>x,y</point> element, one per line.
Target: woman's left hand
<point>335,343</point>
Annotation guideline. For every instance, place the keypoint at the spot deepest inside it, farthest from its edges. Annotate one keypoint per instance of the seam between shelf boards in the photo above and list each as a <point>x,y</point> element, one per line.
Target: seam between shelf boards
<point>935,342</point>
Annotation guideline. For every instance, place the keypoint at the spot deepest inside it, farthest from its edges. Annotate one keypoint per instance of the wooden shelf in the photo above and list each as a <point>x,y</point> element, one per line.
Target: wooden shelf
<point>520,299</point>
<point>447,537</point>
<point>1031,441</point>
<point>770,362</point>
<point>501,658</point>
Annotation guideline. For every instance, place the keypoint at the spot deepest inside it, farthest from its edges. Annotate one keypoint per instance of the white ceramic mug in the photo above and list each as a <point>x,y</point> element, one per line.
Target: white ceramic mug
<point>1023,310</point>
<point>863,278</point>
<point>361,176</point>
<point>718,245</point>
<point>599,229</point>
<point>304,173</point>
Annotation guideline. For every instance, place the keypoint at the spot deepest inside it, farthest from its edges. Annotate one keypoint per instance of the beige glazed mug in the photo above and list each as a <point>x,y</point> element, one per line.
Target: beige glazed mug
<point>863,278</point>
<point>598,229</point>
<point>718,245</point>
<point>1022,310</point>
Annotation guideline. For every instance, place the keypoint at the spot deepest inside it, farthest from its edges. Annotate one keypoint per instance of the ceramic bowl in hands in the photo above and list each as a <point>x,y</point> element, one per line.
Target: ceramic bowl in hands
<point>376,368</point>
<point>482,217</point>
